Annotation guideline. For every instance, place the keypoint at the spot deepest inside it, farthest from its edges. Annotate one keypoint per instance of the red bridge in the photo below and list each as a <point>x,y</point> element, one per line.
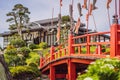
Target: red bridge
<point>68,61</point>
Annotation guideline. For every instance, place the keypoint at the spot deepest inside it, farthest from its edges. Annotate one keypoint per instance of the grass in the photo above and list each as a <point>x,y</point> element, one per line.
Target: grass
<point>83,51</point>
<point>92,49</point>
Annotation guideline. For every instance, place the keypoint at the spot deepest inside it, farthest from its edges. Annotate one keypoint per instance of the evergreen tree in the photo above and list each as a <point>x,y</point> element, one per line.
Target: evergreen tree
<point>19,16</point>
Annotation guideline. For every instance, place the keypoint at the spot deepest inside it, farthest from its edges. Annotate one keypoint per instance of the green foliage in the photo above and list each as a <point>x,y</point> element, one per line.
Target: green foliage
<point>16,56</point>
<point>65,19</point>
<point>33,58</point>
<point>43,45</point>
<point>10,47</point>
<point>65,26</point>
<point>25,51</point>
<point>17,42</point>
<point>103,69</point>
<point>33,46</point>
<point>11,51</point>
<point>12,60</point>
<point>18,17</point>
<point>24,72</point>
<point>42,52</point>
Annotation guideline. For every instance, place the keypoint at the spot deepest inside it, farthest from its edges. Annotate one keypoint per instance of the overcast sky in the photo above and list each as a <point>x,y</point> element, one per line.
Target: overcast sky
<point>42,9</point>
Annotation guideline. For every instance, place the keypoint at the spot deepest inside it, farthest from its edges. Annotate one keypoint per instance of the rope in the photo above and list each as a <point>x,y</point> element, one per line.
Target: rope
<point>94,37</point>
<point>94,22</point>
<point>115,7</point>
<point>88,16</point>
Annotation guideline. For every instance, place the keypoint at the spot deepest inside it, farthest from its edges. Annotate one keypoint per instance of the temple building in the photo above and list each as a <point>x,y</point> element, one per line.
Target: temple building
<point>39,31</point>
<point>36,32</point>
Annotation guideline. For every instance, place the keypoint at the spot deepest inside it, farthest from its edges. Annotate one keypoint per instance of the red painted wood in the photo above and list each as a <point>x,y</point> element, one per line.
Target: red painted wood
<point>115,38</point>
<point>70,42</point>
<point>71,70</point>
<point>65,51</point>
<point>59,62</point>
<point>52,73</point>
<point>88,46</point>
<point>52,53</point>
<point>99,49</point>
<point>60,75</point>
<point>84,61</point>
<point>41,61</point>
<point>114,52</point>
<point>79,49</point>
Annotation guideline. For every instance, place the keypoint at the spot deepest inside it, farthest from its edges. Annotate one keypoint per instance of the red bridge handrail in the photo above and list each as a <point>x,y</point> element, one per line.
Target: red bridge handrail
<point>70,49</point>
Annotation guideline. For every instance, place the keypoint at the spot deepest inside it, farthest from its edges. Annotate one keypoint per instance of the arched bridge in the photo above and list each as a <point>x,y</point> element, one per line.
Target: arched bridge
<point>78,52</point>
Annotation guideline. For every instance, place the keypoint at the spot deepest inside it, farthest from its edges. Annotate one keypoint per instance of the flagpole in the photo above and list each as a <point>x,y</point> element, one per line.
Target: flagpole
<point>115,7</point>
<point>72,1</point>
<point>52,17</point>
<point>59,22</point>
<point>88,16</point>
<point>115,16</point>
<point>52,25</point>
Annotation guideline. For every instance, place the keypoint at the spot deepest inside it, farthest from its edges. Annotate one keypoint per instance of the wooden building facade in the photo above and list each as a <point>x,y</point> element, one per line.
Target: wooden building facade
<point>44,31</point>
<point>36,32</point>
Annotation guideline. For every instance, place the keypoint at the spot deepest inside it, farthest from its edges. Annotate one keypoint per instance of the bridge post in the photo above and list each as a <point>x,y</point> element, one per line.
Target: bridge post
<point>115,40</point>
<point>51,53</point>
<point>88,46</point>
<point>52,68</point>
<point>52,72</point>
<point>41,62</point>
<point>71,70</point>
<point>70,42</point>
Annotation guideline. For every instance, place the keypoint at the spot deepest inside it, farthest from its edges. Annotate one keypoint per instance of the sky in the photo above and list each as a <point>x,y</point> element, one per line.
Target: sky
<point>42,9</point>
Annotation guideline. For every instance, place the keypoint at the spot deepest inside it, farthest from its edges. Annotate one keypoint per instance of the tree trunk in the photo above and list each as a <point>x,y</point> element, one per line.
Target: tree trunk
<point>19,31</point>
<point>5,68</point>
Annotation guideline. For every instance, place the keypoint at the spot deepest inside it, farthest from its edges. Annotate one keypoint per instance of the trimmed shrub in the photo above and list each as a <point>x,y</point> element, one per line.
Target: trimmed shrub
<point>43,45</point>
<point>24,72</point>
<point>32,46</point>
<point>17,43</point>
<point>103,69</point>
<point>25,51</point>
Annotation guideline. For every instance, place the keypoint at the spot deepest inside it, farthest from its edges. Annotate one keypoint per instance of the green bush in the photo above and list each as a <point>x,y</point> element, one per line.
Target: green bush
<point>65,19</point>
<point>11,51</point>
<point>24,72</point>
<point>43,45</point>
<point>103,69</point>
<point>25,51</point>
<point>33,58</point>
<point>12,60</point>
<point>32,46</point>
<point>17,42</point>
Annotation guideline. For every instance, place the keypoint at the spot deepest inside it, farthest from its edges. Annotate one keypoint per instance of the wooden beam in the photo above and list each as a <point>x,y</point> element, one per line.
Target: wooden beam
<point>59,62</point>
<point>83,61</point>
<point>52,73</point>
<point>71,70</point>
<point>60,75</point>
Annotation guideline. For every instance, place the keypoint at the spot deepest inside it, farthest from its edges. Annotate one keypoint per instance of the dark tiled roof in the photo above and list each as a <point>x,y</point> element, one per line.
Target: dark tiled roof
<point>37,26</point>
<point>47,21</point>
<point>5,33</point>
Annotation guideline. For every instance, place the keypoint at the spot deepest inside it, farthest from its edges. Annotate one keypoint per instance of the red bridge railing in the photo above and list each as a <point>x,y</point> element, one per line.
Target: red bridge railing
<point>75,46</point>
<point>82,46</point>
<point>96,41</point>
